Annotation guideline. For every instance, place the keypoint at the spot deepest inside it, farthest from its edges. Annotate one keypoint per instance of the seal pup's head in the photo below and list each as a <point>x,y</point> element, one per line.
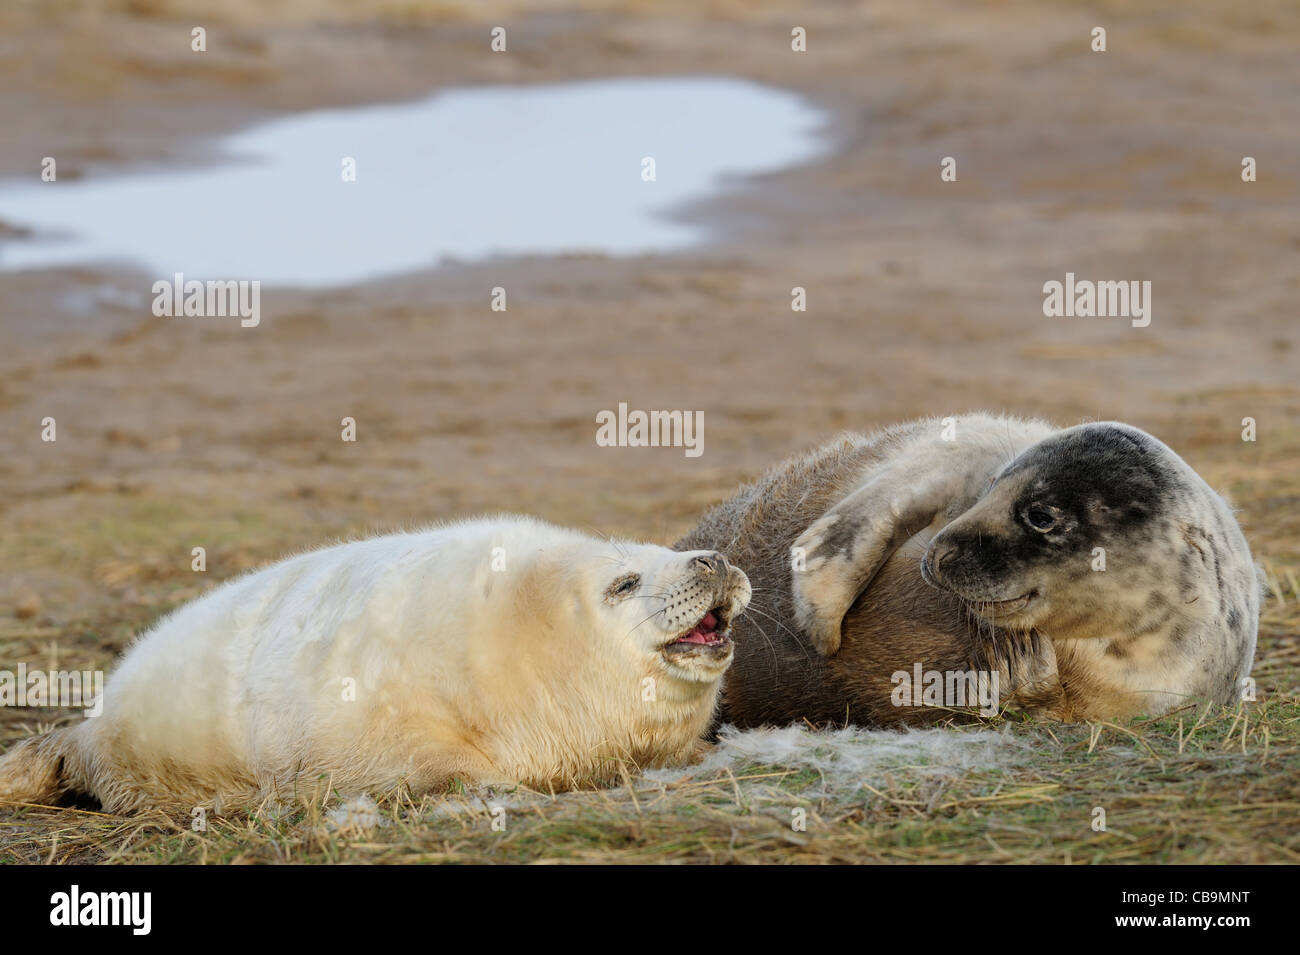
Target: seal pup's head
<point>677,607</point>
<point>603,651</point>
<point>1102,531</point>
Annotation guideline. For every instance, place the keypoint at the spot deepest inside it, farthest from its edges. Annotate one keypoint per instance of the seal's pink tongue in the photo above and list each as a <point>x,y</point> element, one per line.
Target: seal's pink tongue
<point>704,632</point>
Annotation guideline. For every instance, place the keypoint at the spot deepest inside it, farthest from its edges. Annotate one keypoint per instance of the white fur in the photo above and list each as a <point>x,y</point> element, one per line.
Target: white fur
<point>357,815</point>
<point>848,758</point>
<point>530,673</point>
<point>847,761</point>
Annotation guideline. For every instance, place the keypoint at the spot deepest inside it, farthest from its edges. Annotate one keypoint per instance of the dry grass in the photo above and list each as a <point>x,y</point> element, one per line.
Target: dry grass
<point>1201,786</point>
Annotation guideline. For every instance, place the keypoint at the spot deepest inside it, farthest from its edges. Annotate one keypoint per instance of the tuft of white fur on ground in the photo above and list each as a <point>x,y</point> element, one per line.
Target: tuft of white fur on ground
<point>847,758</point>
<point>358,814</point>
<point>485,801</point>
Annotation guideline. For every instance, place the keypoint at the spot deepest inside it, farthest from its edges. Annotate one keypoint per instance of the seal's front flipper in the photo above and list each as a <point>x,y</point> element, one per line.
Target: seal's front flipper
<point>835,558</point>
<point>944,468</point>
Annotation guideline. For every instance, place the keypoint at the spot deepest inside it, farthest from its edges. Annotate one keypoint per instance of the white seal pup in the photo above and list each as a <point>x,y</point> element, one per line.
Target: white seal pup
<point>501,650</point>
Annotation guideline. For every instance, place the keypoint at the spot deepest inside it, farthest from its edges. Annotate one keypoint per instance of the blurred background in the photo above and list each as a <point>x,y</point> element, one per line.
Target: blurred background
<point>776,169</point>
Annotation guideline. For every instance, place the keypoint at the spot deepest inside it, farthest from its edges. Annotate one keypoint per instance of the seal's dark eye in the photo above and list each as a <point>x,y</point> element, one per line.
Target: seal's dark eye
<point>625,585</point>
<point>1039,517</point>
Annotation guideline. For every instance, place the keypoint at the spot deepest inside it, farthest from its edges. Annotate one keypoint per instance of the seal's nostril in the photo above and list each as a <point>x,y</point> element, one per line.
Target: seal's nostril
<point>706,564</point>
<point>935,555</point>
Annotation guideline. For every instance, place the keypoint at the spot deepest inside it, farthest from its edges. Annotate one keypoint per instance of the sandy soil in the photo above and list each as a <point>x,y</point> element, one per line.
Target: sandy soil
<point>924,297</point>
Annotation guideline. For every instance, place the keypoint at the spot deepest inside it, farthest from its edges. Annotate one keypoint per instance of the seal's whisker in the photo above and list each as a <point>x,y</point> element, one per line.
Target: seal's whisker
<point>798,641</point>
<point>651,617</point>
<point>774,619</point>
<point>770,645</point>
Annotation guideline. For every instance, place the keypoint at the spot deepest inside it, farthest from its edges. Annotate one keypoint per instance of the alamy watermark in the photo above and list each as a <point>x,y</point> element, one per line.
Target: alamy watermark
<point>214,299</point>
<point>651,429</point>
<point>1087,299</point>
<point>132,910</point>
<point>946,688</point>
<point>83,689</point>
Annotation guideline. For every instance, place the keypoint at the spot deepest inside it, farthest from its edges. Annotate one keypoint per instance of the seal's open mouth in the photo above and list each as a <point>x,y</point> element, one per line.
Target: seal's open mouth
<point>710,633</point>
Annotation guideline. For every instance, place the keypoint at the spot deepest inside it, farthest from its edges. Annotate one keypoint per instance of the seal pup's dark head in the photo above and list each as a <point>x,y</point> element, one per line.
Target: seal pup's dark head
<point>1102,531</point>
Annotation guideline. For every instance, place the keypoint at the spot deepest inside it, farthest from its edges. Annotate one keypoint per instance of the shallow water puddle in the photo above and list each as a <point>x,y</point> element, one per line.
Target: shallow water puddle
<point>466,174</point>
